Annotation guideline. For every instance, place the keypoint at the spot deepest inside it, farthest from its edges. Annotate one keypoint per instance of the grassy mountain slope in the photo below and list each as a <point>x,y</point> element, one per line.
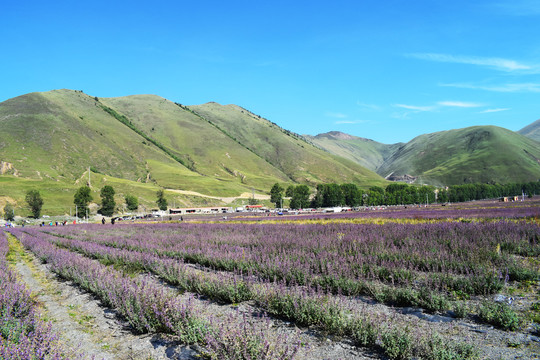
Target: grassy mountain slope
<point>204,149</point>
<point>368,153</point>
<point>142,143</point>
<point>474,154</point>
<point>288,152</point>
<point>532,131</point>
<point>59,134</point>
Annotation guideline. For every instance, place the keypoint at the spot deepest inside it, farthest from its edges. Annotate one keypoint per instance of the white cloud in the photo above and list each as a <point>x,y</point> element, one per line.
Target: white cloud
<point>368,106</point>
<point>341,122</point>
<point>523,87</point>
<point>415,108</point>
<point>491,62</point>
<point>460,104</point>
<point>488,111</point>
<point>336,115</point>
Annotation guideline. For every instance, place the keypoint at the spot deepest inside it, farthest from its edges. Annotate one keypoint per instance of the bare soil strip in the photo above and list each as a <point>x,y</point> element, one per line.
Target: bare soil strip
<point>86,326</point>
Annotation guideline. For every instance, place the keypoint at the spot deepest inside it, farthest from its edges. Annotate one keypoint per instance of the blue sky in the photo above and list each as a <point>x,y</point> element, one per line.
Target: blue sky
<point>384,70</point>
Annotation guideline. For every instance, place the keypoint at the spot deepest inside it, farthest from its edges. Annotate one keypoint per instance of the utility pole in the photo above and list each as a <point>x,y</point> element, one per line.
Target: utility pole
<point>89,177</point>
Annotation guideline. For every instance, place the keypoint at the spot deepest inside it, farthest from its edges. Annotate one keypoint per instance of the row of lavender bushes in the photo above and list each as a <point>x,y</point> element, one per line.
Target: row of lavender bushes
<point>23,335</point>
<point>226,288</point>
<point>463,258</point>
<point>151,308</point>
<point>304,307</point>
<point>230,288</point>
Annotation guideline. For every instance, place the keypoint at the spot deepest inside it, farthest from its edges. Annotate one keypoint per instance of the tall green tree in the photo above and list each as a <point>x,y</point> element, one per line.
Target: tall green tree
<point>9,212</point>
<point>333,196</point>
<point>34,200</point>
<point>161,201</point>
<point>351,194</point>
<point>81,199</point>
<point>300,197</point>
<point>107,201</point>
<point>375,196</point>
<point>132,202</point>
<point>276,194</point>
<point>290,191</point>
<point>318,199</point>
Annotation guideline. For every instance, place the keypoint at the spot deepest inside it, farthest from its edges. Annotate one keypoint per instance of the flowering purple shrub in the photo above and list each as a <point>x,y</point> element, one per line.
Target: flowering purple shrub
<point>235,341</point>
<point>254,252</point>
<point>474,258</point>
<point>148,307</point>
<point>145,306</point>
<point>22,334</point>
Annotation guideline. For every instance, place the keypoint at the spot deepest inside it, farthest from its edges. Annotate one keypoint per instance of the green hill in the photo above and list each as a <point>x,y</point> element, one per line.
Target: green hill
<point>476,154</point>
<point>204,153</point>
<point>299,160</point>
<point>366,152</point>
<point>144,142</point>
<point>532,131</point>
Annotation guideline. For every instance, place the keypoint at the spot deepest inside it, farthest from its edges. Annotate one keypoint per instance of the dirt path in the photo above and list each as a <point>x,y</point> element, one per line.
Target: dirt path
<point>226,200</point>
<point>84,325</point>
<point>87,326</point>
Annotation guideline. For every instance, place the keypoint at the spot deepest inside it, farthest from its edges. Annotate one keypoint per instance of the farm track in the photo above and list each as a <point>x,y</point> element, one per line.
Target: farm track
<point>490,342</point>
<point>84,324</point>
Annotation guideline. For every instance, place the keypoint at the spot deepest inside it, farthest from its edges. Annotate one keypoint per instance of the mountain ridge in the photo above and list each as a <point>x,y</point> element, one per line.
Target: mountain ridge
<point>56,136</point>
<point>437,158</point>
<point>146,142</point>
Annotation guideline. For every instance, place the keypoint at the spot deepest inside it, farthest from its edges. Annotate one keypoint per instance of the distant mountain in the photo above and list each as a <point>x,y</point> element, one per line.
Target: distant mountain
<point>475,154</point>
<point>532,131</point>
<point>283,150</point>
<point>366,152</point>
<point>56,136</point>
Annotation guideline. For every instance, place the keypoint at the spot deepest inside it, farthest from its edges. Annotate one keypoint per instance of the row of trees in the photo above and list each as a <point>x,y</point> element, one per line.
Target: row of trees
<point>81,200</point>
<point>329,195</point>
<point>83,197</point>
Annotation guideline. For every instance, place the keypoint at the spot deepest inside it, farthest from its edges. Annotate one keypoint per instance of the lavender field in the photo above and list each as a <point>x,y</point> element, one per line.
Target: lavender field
<point>440,283</point>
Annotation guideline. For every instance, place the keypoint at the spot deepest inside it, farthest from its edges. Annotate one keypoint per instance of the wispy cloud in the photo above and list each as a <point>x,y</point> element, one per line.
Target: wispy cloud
<point>459,104</point>
<point>341,122</point>
<point>491,62</point>
<point>488,111</point>
<point>336,115</point>
<point>523,87</point>
<point>368,106</point>
<point>415,107</point>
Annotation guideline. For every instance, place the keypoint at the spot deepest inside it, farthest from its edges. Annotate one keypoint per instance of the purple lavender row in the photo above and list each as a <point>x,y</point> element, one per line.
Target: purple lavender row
<point>22,334</point>
<point>223,288</point>
<point>305,307</point>
<point>145,306</point>
<point>148,307</point>
<point>469,257</point>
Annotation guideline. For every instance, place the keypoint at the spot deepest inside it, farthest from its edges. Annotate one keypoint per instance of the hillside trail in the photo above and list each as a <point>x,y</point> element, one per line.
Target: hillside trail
<point>226,200</point>
<point>86,327</point>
